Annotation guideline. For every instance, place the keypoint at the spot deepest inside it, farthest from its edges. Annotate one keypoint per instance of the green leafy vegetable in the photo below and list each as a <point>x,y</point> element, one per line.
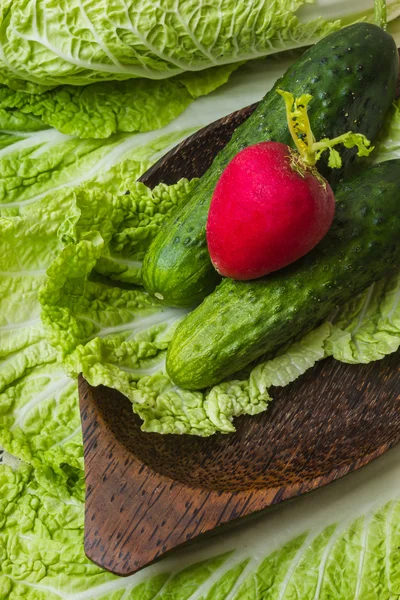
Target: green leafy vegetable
<point>388,145</point>
<point>15,120</point>
<point>99,110</point>
<point>124,41</point>
<point>368,327</point>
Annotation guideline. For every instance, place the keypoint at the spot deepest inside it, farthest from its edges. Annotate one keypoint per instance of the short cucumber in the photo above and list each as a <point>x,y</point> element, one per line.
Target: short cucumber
<point>352,76</point>
<point>242,320</point>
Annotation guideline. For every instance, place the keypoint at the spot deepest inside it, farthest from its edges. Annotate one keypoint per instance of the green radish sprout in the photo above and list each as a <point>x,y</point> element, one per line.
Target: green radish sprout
<point>310,150</point>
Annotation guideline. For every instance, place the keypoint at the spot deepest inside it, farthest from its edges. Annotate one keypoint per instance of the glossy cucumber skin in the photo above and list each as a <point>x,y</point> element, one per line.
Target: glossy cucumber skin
<point>240,321</point>
<point>352,76</point>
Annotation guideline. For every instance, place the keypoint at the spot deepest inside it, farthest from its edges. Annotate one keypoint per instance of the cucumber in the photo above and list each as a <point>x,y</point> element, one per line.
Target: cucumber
<point>240,321</point>
<point>352,76</point>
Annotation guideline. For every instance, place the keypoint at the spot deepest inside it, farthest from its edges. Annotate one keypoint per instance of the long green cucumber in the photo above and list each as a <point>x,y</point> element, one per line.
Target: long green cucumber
<point>242,320</point>
<point>351,74</point>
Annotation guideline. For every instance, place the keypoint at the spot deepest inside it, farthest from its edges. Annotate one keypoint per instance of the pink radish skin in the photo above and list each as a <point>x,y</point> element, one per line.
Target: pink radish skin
<point>264,214</point>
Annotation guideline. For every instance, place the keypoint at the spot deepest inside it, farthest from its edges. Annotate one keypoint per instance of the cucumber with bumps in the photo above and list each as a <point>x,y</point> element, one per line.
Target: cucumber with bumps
<point>242,320</point>
<point>351,75</point>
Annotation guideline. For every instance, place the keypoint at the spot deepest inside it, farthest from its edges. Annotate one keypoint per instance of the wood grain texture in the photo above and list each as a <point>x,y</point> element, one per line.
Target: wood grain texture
<point>147,493</point>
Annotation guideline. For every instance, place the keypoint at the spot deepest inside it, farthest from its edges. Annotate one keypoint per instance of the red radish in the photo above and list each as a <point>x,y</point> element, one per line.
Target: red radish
<point>270,205</point>
<point>268,210</point>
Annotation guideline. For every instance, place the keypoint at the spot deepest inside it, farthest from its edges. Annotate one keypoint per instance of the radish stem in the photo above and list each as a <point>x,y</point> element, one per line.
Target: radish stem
<point>381,13</point>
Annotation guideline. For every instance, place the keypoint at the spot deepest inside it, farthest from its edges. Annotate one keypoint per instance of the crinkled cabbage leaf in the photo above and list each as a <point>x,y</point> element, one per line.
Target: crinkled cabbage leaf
<point>45,44</point>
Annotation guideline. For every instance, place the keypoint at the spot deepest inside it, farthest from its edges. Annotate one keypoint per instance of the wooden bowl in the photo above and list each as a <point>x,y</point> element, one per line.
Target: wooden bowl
<point>147,493</point>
